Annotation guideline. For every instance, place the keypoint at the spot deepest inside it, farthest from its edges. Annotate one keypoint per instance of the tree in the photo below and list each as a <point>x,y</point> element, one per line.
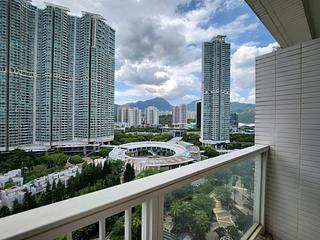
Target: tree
<point>221,231</point>
<point>76,159</point>
<point>181,212</point>
<point>55,159</point>
<point>118,229</point>
<point>104,152</point>
<point>234,232</point>
<point>4,211</point>
<point>17,207</point>
<point>129,173</point>
<point>223,195</point>
<point>200,225</point>
<point>192,138</point>
<point>136,223</point>
<point>223,176</point>
<point>165,120</point>
<point>107,168</point>
<point>148,172</point>
<point>244,222</point>
<point>164,137</point>
<point>29,201</point>
<point>241,137</point>
<point>210,152</point>
<point>9,184</point>
<point>203,202</point>
<point>40,170</point>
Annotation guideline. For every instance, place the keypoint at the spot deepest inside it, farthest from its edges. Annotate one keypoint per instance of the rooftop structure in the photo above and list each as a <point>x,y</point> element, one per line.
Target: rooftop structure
<point>156,154</point>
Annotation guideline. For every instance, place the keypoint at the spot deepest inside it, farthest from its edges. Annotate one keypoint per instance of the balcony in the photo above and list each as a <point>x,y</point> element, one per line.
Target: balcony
<point>230,185</point>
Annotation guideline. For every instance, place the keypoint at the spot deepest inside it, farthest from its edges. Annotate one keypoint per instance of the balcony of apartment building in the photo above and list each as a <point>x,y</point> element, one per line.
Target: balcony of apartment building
<point>278,191</point>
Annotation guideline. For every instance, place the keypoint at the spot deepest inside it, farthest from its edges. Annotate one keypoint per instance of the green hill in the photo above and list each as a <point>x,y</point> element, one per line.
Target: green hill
<point>245,110</point>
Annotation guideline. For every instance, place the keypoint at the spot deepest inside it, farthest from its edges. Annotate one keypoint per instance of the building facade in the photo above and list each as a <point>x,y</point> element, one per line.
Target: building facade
<point>151,116</point>
<point>56,76</point>
<point>198,115</point>
<point>234,120</point>
<point>191,115</point>
<point>215,91</point>
<point>134,117</point>
<point>17,72</point>
<point>179,115</point>
<point>131,117</point>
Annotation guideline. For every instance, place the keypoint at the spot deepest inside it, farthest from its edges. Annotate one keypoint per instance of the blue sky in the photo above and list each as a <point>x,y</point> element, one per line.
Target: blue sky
<point>252,41</point>
<point>158,44</point>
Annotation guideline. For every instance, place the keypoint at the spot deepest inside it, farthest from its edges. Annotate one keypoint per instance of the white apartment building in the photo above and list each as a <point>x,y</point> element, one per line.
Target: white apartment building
<point>151,117</point>
<point>13,176</point>
<point>191,115</point>
<point>134,117</point>
<point>8,196</point>
<point>215,91</point>
<point>58,70</point>
<point>179,115</point>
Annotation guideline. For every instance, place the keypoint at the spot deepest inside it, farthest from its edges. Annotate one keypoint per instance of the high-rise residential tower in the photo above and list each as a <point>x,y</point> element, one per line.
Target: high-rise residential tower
<point>151,116</point>
<point>94,85</point>
<point>179,115</point>
<point>234,120</point>
<point>56,76</point>
<point>198,115</point>
<point>134,117</point>
<point>215,91</point>
<point>17,72</point>
<point>131,116</point>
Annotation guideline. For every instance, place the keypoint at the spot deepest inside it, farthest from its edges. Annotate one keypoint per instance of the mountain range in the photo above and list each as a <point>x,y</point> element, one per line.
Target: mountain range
<point>158,102</point>
<point>244,110</point>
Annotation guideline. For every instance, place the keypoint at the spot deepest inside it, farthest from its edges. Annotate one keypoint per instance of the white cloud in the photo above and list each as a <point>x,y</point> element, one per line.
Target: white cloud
<point>158,48</point>
<point>168,50</point>
<point>243,71</point>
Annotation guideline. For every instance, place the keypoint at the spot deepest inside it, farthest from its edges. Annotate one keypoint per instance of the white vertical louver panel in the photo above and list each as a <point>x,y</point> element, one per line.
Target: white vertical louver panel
<point>288,118</point>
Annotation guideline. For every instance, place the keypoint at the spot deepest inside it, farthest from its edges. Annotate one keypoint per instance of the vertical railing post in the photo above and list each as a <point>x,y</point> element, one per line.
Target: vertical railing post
<point>257,188</point>
<point>128,224</point>
<point>152,218</point>
<point>153,213</point>
<point>145,221</point>
<point>102,229</point>
<point>264,157</point>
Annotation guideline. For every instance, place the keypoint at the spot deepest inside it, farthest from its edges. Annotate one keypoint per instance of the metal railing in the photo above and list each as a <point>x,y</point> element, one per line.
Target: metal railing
<point>62,218</point>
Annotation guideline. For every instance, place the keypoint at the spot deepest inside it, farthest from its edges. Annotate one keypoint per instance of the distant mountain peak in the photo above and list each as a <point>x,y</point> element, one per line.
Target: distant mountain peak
<point>158,102</point>
<point>245,110</point>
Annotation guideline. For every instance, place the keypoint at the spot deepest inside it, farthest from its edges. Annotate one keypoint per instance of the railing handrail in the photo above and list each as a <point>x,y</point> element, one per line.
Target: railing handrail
<point>86,209</point>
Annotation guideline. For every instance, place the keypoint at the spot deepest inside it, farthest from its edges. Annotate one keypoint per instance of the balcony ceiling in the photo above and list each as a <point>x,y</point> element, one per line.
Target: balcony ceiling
<point>289,21</point>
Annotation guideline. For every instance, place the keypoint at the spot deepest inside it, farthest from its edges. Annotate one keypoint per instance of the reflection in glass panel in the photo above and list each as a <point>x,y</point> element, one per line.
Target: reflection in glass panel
<point>224,205</point>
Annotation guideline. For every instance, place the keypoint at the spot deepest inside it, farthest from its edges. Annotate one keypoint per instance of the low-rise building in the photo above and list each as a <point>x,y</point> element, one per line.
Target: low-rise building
<point>13,176</point>
<point>8,196</point>
<point>38,185</point>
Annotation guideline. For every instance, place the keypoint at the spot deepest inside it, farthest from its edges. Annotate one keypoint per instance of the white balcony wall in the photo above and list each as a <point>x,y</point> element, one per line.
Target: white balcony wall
<point>288,119</point>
